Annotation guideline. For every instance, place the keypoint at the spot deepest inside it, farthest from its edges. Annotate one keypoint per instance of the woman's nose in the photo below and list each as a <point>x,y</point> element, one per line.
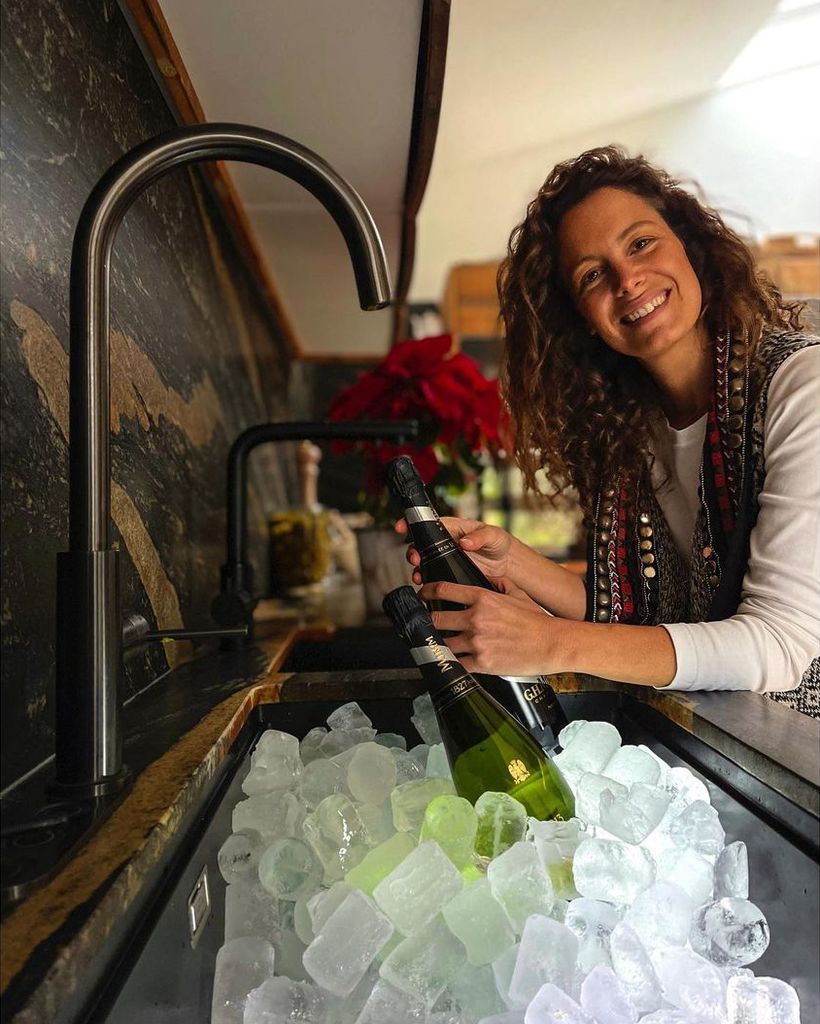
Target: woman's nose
<point>628,279</point>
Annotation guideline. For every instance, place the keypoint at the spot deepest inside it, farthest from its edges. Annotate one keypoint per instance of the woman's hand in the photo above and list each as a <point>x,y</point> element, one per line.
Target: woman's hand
<point>488,546</point>
<point>503,633</point>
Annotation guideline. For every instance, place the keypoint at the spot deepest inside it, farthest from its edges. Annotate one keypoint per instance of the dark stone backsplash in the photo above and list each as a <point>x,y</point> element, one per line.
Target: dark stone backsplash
<point>195,356</point>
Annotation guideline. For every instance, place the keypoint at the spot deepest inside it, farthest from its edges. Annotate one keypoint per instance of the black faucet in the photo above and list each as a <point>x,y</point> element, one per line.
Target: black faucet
<point>234,604</point>
<point>90,628</point>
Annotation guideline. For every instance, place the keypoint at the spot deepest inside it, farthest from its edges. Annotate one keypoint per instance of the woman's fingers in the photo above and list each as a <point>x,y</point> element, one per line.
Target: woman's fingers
<point>456,593</point>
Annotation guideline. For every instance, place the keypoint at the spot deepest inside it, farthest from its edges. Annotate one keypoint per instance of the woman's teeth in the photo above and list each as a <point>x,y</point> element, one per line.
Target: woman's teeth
<point>647,309</point>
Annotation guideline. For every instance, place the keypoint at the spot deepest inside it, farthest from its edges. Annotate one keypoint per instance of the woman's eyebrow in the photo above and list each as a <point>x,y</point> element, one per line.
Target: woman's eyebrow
<point>620,238</point>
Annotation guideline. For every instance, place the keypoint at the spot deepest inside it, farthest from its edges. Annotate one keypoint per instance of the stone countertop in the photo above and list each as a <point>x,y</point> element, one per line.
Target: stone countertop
<point>179,739</point>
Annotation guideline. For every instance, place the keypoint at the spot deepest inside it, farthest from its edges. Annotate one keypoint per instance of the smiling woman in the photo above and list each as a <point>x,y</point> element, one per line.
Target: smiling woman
<point>651,368</point>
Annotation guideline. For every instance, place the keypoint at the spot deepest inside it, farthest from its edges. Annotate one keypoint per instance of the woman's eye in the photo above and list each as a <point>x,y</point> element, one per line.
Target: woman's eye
<point>641,243</point>
<point>589,277</point>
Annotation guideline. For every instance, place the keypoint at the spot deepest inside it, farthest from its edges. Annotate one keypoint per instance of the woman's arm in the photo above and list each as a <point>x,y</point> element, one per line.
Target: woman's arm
<point>775,633</point>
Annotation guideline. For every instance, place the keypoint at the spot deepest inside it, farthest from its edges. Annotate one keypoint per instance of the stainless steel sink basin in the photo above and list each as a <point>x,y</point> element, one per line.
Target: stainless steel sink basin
<point>353,647</point>
<point>161,976</point>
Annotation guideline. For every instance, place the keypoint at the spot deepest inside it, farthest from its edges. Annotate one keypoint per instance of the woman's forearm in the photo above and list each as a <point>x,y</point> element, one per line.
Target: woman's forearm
<point>627,654</point>
<point>557,589</point>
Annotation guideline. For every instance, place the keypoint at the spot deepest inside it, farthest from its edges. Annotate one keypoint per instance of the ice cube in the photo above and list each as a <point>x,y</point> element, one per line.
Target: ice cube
<point>371,774</point>
<point>309,747</point>
<point>569,732</point>
<point>591,748</point>
<point>377,822</point>
<point>280,999</point>
<point>624,819</point>
<point>761,1001</point>
<point>302,923</point>
<point>631,764</point>
<point>289,949</point>
<point>607,870</point>
<point>418,888</point>
<point>652,800</point>
<point>336,834</point>
<point>410,799</point>
<point>507,1017</point>
<point>275,815</point>
<point>684,788</point>
<point>732,872</point>
<point>408,768</point>
<point>692,984</point>
<point>698,827</point>
<point>347,944</point>
<point>592,922</point>
<point>249,911</point>
<point>547,951</point>
<point>479,920</point>
<point>503,968</point>
<point>661,916</point>
<point>339,740</point>
<point>685,867</point>
<point>730,931</point>
<point>604,999</point>
<point>520,884</point>
<point>502,821</point>
<point>321,905</point>
<point>423,964</point>
<point>380,861</point>
<point>556,843</point>
<point>348,717</point>
<point>242,964</point>
<point>425,720</point>
<point>452,822</point>
<point>320,778</point>
<point>634,969</point>
<point>551,1005</point>
<point>288,869</point>
<point>474,993</point>
<point>239,855</point>
<point>386,1003</point>
<point>588,795</point>
<point>275,779</point>
<point>273,745</point>
<point>438,766</point>
<point>390,739</point>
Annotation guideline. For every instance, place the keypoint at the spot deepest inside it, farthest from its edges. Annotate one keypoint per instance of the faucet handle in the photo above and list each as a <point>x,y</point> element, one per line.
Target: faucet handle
<point>135,630</point>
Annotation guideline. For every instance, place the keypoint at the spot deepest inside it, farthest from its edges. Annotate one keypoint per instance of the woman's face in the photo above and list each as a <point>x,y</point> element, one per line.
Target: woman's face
<point>630,277</point>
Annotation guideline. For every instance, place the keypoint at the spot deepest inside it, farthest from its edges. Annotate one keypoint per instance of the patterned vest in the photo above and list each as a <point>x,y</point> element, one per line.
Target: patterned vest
<point>635,573</point>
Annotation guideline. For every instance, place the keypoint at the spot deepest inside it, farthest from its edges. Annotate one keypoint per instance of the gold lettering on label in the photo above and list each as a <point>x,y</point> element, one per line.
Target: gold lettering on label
<point>532,692</point>
<point>439,654</point>
<point>518,770</point>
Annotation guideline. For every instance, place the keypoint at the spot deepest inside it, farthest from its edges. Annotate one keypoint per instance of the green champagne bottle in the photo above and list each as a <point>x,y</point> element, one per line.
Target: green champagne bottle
<point>487,748</point>
<point>529,699</point>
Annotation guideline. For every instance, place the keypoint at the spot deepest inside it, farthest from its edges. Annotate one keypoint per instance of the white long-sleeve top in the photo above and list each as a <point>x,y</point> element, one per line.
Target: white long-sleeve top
<point>774,635</point>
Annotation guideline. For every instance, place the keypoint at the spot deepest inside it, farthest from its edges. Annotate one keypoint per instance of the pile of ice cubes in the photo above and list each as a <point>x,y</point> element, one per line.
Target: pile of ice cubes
<point>362,890</point>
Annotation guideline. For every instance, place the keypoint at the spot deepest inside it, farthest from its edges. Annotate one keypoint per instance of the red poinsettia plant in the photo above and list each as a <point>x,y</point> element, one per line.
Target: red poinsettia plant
<point>460,414</point>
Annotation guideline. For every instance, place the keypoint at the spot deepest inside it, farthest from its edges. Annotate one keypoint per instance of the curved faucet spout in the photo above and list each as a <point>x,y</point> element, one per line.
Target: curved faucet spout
<point>90,267</point>
<point>89,621</point>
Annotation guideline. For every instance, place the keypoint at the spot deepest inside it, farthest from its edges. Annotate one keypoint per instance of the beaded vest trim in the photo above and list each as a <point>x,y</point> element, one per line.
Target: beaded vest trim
<point>635,573</point>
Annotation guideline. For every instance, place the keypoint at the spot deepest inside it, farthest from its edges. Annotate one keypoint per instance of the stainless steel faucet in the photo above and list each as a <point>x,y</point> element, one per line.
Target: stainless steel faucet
<point>89,621</point>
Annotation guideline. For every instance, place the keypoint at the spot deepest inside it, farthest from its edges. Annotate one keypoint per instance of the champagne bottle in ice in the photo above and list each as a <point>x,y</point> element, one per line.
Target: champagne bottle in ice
<point>529,699</point>
<point>487,748</point>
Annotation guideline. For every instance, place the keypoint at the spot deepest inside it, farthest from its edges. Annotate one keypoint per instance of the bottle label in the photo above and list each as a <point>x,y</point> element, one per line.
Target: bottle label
<point>453,691</point>
<point>437,653</point>
<point>420,514</point>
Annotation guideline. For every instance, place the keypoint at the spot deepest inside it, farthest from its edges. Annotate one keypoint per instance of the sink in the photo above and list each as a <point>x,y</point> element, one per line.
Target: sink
<point>163,975</point>
<point>350,647</point>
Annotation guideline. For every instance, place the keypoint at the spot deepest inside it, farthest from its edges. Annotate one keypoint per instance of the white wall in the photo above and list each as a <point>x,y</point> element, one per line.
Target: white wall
<point>754,149</point>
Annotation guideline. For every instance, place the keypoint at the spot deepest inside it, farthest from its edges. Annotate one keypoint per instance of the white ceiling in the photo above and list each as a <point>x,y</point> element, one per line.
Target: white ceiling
<point>526,72</point>
<point>339,75</point>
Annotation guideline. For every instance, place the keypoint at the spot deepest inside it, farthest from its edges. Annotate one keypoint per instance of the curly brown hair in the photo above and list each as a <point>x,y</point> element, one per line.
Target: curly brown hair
<point>579,410</point>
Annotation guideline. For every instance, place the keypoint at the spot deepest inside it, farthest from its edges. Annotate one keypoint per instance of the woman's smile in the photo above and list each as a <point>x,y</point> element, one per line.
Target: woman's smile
<point>646,310</point>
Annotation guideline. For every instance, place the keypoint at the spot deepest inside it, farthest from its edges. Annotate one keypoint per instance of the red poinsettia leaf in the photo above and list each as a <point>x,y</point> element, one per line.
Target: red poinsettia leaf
<point>416,356</point>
